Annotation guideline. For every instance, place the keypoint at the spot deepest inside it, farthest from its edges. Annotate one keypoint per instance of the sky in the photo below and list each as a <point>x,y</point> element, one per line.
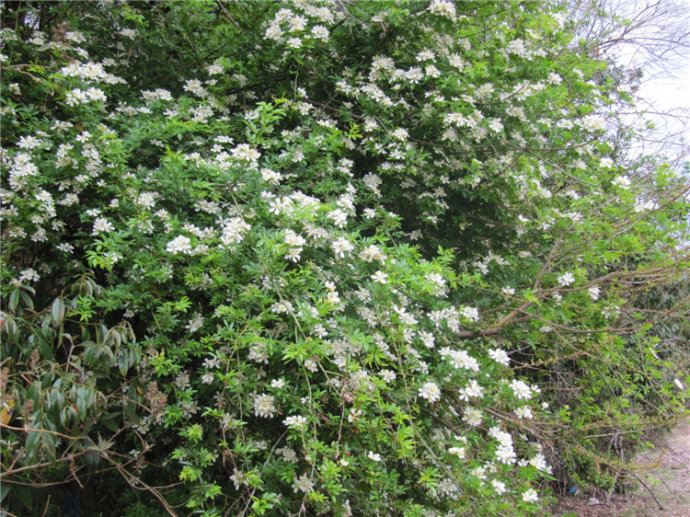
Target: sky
<point>666,91</point>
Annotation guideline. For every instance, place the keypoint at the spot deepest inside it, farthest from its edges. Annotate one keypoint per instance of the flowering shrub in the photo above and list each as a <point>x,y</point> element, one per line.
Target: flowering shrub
<point>320,258</point>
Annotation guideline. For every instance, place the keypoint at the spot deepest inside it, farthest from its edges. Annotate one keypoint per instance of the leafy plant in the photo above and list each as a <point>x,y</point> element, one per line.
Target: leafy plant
<point>321,258</point>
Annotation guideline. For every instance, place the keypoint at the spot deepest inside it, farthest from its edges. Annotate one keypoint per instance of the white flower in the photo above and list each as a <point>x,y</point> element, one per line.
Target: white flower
<point>270,176</point>
<point>294,239</point>
<point>461,359</point>
<point>479,472</point>
<point>499,486</point>
<point>281,307</point>
<point>28,142</point>
<point>530,496</point>
<point>195,323</point>
<point>622,182</point>
<point>508,291</point>
<point>354,415</point>
<point>642,206</point>
<point>263,406</point>
<point>128,33</point>
<point>438,281</point>
<point>29,275</point>
<point>430,391</point>
<point>233,231</point>
<point>179,244</point>
<point>539,462</point>
<point>214,69</point>
<point>369,213</point>
<point>500,356</point>
<point>288,454</point>
<point>209,207</point>
<point>320,32</point>
<point>379,277</point>
<point>521,390</point>
<point>311,365</point>
<point>371,253</point>
<point>146,200</point>
<point>593,123</point>
<point>158,94</point>
<point>594,292</point>
<point>471,313</point>
<point>101,224</point>
<point>432,71</point>
<point>447,487</point>
<point>273,32</point>
<point>457,451</point>
<point>201,113</point>
<point>566,279</point>
<point>40,235</point>
<point>472,416</point>
<point>211,362</point>
<point>472,390</point>
<point>75,37</point>
<point>194,86</point>
<point>238,479</point>
<point>427,338</point>
<point>400,134</point>
<point>304,483</point>
<point>524,412</point>
<point>339,217</point>
<point>387,376</point>
<point>443,8</point>
<point>245,153</point>
<point>374,456</point>
<point>679,384</point>
<point>295,421</point>
<point>277,383</point>
<point>373,181</point>
<point>341,246</point>
<point>506,454</point>
<point>606,163</point>
<point>495,125</point>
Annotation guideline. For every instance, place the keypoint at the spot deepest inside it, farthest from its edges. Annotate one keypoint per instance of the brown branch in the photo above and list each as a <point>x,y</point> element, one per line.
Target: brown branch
<point>28,429</point>
<point>648,489</point>
<point>35,466</point>
<point>128,477</point>
<point>227,14</point>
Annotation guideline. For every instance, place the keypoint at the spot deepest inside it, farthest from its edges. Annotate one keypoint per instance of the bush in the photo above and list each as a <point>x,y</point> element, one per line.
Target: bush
<point>318,258</point>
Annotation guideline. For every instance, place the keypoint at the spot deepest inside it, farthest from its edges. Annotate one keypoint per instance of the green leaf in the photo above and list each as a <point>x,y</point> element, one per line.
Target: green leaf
<point>123,364</point>
<point>58,310</point>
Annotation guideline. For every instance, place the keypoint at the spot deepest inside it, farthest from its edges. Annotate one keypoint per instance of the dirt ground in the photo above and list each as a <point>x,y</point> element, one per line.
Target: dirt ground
<point>665,469</point>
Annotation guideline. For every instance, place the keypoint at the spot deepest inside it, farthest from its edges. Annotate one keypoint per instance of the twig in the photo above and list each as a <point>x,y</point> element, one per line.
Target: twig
<point>648,490</point>
<point>227,14</point>
<point>45,512</point>
<point>128,477</point>
<point>28,429</point>
<point>13,472</point>
<point>74,472</point>
<point>270,453</point>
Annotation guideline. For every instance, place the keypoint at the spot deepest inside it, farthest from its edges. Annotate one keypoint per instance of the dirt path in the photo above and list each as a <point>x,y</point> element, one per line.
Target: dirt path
<point>666,473</point>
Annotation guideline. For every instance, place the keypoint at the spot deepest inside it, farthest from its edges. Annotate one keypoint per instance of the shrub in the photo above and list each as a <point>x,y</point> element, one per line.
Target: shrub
<point>317,258</point>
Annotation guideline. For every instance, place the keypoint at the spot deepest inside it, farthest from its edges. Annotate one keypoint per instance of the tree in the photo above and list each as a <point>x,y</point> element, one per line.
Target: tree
<point>642,42</point>
<point>317,257</point>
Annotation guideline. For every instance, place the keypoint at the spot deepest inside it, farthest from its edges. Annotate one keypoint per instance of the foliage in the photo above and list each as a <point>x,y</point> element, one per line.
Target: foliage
<point>266,258</point>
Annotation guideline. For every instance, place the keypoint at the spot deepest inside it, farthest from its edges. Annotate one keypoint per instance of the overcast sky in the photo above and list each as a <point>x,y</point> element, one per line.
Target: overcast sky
<point>666,91</point>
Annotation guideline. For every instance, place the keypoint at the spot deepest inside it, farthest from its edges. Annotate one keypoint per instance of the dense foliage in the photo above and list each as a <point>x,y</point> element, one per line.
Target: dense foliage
<point>323,258</point>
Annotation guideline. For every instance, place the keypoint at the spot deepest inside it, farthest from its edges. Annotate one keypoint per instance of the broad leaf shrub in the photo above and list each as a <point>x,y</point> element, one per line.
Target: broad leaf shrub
<point>322,258</point>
